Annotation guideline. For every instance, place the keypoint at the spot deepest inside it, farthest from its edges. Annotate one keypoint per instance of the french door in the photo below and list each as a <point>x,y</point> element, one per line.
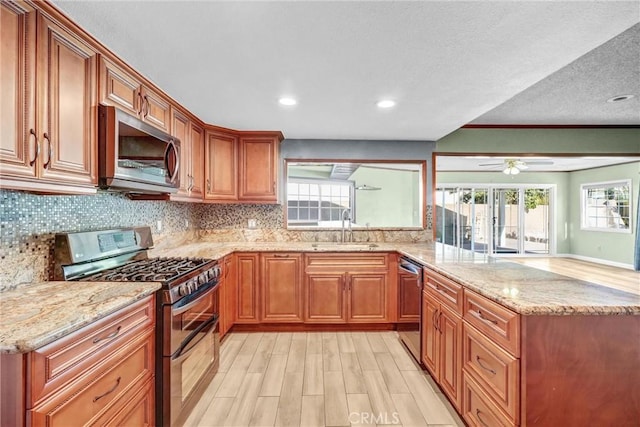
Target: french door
<point>495,220</point>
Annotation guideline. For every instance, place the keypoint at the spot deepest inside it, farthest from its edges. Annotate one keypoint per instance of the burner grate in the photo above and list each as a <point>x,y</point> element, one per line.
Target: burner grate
<point>149,270</point>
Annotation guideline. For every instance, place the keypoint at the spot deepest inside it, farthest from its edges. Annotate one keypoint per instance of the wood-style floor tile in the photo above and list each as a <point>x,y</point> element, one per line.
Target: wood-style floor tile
<point>335,398</point>
<point>274,376</point>
<point>330,352</point>
<point>264,414</point>
<point>290,403</point>
<point>245,402</point>
<point>320,379</point>
<point>312,414</point>
<point>313,375</point>
<point>297,352</point>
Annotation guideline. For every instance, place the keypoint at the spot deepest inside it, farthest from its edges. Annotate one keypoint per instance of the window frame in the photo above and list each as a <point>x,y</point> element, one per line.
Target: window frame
<point>319,183</point>
<point>585,187</point>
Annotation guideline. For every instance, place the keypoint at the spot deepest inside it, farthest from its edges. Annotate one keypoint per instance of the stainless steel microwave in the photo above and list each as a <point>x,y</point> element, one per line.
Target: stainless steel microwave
<point>135,157</point>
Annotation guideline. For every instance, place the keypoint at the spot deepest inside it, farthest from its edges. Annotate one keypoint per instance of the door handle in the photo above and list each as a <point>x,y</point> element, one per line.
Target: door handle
<point>50,147</point>
<point>35,157</point>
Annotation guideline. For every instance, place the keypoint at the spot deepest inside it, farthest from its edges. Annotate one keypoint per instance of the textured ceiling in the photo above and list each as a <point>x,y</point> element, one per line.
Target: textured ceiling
<point>578,93</point>
<point>445,63</point>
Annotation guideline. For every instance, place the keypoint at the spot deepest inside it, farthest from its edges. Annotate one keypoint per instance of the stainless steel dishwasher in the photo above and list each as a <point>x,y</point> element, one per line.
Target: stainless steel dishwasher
<point>410,336</point>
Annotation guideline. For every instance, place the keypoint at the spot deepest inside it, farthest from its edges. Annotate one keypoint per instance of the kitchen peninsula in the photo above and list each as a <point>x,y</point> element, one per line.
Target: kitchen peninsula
<point>542,338</point>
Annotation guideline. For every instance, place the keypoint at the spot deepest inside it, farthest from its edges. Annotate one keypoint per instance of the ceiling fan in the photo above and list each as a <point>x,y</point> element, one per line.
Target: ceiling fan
<point>515,166</point>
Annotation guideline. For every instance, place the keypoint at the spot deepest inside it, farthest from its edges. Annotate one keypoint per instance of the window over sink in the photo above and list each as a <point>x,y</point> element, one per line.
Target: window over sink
<point>378,194</point>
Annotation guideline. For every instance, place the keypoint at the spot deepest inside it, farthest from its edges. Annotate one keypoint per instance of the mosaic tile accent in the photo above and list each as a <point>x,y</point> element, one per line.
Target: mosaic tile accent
<point>214,216</point>
<point>28,223</point>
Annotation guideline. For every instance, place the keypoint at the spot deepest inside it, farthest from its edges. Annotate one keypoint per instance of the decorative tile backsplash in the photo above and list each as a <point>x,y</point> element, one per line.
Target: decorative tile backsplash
<point>28,223</point>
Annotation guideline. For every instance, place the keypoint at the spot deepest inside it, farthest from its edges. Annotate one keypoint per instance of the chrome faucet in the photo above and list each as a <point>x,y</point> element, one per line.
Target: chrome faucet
<point>346,216</point>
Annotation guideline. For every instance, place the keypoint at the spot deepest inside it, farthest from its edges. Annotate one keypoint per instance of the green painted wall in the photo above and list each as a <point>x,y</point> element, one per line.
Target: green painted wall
<point>560,179</point>
<point>395,205</point>
<point>532,141</point>
<point>617,247</point>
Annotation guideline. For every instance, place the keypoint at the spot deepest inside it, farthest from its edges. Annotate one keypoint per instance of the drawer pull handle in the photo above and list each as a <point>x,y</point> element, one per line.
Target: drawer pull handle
<point>281,255</point>
<point>486,319</point>
<point>111,335</point>
<point>479,360</point>
<point>478,412</point>
<point>95,399</point>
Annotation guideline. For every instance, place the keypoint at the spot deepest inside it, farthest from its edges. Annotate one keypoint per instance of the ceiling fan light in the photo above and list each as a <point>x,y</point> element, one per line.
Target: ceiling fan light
<point>511,170</point>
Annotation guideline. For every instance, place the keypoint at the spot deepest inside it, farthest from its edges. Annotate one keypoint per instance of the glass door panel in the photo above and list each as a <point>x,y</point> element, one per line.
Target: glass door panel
<point>536,220</point>
<point>505,221</point>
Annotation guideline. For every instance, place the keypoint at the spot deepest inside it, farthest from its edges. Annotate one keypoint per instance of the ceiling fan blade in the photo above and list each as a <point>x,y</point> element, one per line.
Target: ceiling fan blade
<point>491,164</point>
<point>539,162</point>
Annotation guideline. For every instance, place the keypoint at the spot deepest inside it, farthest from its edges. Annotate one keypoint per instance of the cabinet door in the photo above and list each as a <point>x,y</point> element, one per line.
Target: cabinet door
<point>197,161</point>
<point>119,88</point>
<point>281,293</point>
<point>409,296</point>
<point>18,139</point>
<point>258,168</point>
<point>247,271</point>
<point>155,109</point>
<point>221,158</point>
<point>430,335</point>
<point>67,98</point>
<point>450,328</point>
<point>181,129</point>
<point>324,298</point>
<point>367,295</point>
<point>231,282</point>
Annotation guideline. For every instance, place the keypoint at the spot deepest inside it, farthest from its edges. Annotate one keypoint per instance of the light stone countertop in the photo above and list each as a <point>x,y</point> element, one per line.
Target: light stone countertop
<point>525,290</point>
<point>37,314</point>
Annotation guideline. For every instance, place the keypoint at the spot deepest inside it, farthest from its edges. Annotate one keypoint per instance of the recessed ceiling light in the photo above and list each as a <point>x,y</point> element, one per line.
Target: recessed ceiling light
<point>386,103</point>
<point>287,101</point>
<point>620,98</point>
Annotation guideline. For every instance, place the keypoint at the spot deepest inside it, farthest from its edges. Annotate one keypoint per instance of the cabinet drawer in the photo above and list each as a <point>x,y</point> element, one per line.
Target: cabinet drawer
<point>478,409</point>
<point>92,395</point>
<point>495,321</point>
<point>54,365</point>
<point>346,261</point>
<point>137,408</point>
<point>448,291</point>
<point>493,368</point>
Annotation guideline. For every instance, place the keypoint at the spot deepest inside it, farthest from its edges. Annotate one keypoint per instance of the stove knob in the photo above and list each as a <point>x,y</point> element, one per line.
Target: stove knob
<point>183,290</point>
<point>216,272</point>
<point>203,278</point>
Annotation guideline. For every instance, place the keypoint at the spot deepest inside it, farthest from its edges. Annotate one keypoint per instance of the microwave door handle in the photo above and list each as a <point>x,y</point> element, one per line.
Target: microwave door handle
<point>172,146</point>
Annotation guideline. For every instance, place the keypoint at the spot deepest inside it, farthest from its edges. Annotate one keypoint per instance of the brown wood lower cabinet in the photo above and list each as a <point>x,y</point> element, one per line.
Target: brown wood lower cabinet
<point>442,345</point>
<point>228,294</point>
<point>247,276</point>
<point>281,287</point>
<point>347,288</point>
<point>100,374</point>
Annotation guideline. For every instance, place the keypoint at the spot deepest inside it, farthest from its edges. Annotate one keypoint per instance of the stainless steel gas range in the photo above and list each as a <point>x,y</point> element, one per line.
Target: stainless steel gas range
<point>187,338</point>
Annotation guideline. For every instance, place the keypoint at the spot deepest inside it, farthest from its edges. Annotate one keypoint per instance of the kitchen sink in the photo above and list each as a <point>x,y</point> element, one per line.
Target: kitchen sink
<point>347,246</point>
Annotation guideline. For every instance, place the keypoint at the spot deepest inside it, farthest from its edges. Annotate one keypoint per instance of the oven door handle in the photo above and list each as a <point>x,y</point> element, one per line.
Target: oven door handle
<point>188,344</point>
<point>192,299</point>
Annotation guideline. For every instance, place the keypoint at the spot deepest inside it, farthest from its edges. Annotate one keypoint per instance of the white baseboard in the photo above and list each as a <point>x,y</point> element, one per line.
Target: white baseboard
<point>598,261</point>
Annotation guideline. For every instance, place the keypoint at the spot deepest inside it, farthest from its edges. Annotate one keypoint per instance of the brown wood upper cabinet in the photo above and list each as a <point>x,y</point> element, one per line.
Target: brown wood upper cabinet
<point>281,287</point>
<point>241,167</point>
<point>191,136</point>
<point>49,90</point>
<point>121,88</point>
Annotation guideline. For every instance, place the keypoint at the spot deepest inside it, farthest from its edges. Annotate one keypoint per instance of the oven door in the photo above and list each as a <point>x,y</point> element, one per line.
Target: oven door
<point>191,370</point>
<point>190,351</point>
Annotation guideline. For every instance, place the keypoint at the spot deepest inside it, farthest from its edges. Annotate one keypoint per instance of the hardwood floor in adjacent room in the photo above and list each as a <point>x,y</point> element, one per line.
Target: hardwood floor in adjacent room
<point>320,379</point>
<point>606,275</point>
